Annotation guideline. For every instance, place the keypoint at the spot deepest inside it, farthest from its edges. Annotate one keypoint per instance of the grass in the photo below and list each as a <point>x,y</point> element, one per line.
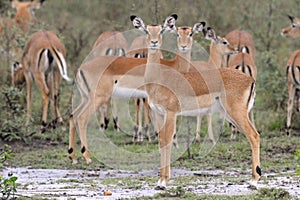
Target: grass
<point>112,149</point>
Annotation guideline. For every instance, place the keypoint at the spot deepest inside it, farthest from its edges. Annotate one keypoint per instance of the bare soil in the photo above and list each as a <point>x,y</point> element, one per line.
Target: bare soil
<point>87,184</point>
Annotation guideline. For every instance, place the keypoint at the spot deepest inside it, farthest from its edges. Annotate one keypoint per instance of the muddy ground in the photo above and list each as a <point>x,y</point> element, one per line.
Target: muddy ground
<point>87,184</point>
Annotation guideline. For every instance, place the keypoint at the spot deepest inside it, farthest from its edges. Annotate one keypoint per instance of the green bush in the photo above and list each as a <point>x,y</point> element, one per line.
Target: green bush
<point>12,116</point>
<point>7,185</point>
<point>297,156</point>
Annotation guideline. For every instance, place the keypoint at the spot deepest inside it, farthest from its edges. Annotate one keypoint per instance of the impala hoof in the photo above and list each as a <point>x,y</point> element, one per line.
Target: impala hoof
<point>158,187</point>
<point>88,161</point>
<point>252,184</point>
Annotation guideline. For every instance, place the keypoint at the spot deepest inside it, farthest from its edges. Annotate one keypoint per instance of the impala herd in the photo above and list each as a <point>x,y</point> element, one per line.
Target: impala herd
<point>164,89</point>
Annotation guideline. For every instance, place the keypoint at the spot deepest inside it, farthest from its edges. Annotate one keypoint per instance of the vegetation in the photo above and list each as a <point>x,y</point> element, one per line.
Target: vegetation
<point>79,23</point>
<point>7,185</point>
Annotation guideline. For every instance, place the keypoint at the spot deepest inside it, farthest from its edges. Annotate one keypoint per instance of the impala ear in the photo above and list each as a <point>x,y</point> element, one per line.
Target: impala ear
<point>291,18</point>
<point>16,66</point>
<point>138,23</point>
<point>169,24</point>
<point>210,34</point>
<point>14,4</point>
<point>198,27</point>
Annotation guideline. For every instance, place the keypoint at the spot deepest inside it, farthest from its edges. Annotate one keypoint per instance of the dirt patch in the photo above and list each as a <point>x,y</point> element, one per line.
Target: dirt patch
<point>87,184</point>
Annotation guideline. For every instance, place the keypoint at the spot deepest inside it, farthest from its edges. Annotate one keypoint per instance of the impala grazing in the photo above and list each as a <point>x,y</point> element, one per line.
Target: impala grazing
<point>43,61</point>
<point>171,93</point>
<point>292,72</point>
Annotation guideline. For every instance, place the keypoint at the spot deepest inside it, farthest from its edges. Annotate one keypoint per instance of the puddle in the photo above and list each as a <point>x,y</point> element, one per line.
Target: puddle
<point>87,184</point>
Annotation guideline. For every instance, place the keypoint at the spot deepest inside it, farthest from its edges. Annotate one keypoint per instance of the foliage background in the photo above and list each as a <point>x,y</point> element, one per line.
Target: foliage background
<point>79,23</point>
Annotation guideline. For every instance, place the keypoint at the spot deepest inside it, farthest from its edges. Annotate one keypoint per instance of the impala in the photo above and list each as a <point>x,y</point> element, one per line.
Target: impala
<point>219,48</point>
<point>240,39</point>
<point>293,83</point>
<point>109,43</point>
<point>24,17</point>
<point>244,62</point>
<point>292,72</point>
<point>12,29</point>
<point>100,79</point>
<point>171,93</point>
<point>44,62</point>
<point>292,30</point>
<point>180,62</point>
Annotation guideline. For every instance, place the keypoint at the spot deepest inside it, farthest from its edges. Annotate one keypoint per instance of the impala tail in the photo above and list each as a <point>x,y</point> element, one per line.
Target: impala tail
<point>61,63</point>
<point>251,99</point>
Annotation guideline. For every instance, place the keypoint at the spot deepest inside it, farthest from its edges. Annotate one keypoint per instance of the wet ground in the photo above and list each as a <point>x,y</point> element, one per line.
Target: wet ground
<point>87,184</point>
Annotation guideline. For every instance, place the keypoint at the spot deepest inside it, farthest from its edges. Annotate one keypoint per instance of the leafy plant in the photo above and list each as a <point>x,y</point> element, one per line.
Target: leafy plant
<point>12,115</point>
<point>272,193</point>
<point>297,156</point>
<point>7,185</point>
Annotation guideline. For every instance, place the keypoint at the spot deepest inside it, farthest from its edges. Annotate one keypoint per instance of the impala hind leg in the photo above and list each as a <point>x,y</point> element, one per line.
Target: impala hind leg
<point>82,122</point>
<point>72,140</point>
<point>210,129</point>
<point>243,123</point>
<point>298,99</point>
<point>54,91</point>
<point>147,118</point>
<point>198,128</point>
<point>41,83</point>
<point>292,93</point>
<point>137,129</point>
<point>165,136</point>
<point>115,115</point>
<point>29,96</point>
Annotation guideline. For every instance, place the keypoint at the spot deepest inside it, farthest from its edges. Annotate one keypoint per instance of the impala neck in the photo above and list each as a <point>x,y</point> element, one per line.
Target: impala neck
<point>184,59</point>
<point>215,57</point>
<point>152,72</point>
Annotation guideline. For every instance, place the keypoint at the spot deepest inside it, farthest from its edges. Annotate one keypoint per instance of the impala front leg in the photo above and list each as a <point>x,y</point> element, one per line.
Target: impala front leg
<point>165,143</point>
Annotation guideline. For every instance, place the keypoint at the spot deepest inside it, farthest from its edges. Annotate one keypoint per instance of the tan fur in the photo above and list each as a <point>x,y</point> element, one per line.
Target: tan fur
<point>35,66</point>
<point>187,88</point>
<point>219,47</point>
<point>109,43</point>
<point>293,29</point>
<point>292,70</point>
<point>293,84</point>
<point>172,90</point>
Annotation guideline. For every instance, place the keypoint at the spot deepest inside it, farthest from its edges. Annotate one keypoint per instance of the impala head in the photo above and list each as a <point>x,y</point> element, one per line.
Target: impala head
<point>292,30</point>
<point>25,9</point>
<point>185,36</point>
<point>220,44</point>
<point>17,73</point>
<point>30,5</point>
<point>154,32</point>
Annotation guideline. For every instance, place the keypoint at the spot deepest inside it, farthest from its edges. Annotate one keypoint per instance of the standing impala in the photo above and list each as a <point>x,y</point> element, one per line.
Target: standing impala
<point>109,43</point>
<point>171,92</point>
<point>219,47</point>
<point>100,79</point>
<point>43,61</point>
<point>24,17</point>
<point>19,26</point>
<point>292,71</point>
<point>180,62</point>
